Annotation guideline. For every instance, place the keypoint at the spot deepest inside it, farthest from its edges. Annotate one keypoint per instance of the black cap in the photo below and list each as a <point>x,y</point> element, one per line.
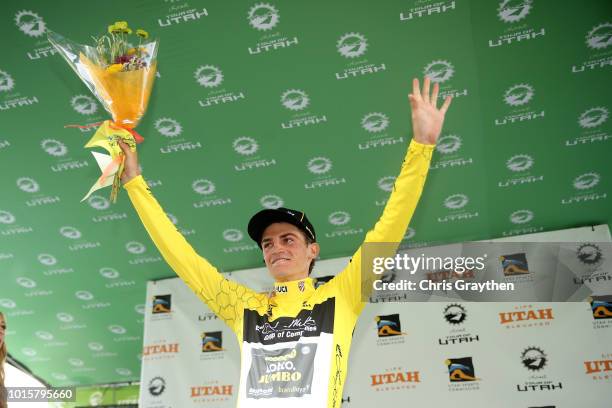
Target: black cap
<point>260,221</point>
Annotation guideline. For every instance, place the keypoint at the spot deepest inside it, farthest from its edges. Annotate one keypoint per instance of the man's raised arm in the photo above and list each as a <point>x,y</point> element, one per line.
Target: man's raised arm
<point>427,121</point>
<point>226,298</point>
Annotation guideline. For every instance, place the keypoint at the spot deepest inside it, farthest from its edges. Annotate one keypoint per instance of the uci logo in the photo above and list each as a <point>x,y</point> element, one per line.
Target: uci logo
<point>282,289</point>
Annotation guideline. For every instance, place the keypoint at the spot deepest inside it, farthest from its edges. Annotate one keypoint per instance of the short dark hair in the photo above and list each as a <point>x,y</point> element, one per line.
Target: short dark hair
<point>309,241</point>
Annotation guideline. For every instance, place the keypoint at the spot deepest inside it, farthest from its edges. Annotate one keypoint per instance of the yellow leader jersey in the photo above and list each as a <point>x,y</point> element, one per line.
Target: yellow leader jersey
<point>294,345</point>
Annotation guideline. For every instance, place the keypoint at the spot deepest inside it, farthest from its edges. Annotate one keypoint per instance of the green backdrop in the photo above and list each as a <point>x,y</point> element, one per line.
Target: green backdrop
<point>303,104</point>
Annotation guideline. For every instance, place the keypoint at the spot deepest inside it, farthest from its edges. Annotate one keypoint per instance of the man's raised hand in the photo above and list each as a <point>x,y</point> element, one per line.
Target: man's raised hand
<point>427,119</point>
<point>131,168</point>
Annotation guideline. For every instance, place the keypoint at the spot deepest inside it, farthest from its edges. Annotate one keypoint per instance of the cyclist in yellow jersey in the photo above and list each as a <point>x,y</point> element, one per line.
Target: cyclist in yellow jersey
<point>294,345</point>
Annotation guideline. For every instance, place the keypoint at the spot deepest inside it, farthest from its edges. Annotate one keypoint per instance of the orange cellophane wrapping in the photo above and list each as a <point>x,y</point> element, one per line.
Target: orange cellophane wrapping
<point>126,94</point>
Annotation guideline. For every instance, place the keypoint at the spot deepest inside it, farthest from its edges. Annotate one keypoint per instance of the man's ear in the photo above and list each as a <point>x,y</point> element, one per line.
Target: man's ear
<point>314,249</point>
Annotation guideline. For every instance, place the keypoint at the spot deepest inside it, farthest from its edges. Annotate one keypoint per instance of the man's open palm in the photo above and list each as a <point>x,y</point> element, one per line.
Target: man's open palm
<point>427,119</point>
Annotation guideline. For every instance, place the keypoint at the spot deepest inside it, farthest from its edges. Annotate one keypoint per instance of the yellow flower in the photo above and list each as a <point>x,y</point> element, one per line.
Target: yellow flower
<point>131,51</point>
<point>127,31</point>
<point>122,25</point>
<point>142,33</point>
<point>114,68</point>
<point>111,29</point>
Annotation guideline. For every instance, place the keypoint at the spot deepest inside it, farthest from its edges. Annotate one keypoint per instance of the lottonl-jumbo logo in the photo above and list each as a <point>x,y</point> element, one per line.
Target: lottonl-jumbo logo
<point>263,16</point>
<point>388,325</point>
<point>162,304</point>
<point>209,76</point>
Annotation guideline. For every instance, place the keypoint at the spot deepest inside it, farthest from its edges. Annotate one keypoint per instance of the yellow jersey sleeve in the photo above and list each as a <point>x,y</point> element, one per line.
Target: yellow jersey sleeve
<point>391,226</point>
<point>226,298</point>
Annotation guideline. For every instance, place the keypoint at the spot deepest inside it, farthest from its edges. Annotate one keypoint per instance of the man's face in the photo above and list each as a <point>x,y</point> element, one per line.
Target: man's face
<point>286,252</point>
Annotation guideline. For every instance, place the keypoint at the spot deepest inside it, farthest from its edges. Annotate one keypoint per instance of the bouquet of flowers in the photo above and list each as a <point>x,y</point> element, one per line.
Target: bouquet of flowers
<point>120,74</point>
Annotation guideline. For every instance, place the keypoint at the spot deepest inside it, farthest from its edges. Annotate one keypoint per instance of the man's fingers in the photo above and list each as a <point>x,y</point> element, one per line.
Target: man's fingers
<point>416,91</point>
<point>446,104</point>
<point>434,95</point>
<point>425,93</point>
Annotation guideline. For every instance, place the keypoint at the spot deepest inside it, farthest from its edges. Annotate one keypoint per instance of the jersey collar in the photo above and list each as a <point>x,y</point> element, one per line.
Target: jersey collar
<point>294,289</point>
